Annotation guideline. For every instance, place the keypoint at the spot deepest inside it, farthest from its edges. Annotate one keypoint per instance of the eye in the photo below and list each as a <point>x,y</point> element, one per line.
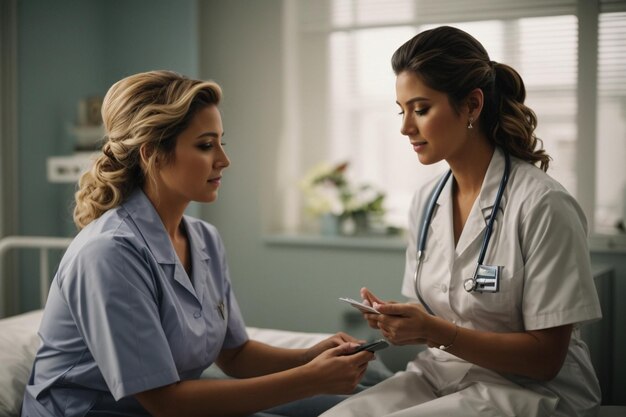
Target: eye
<point>209,145</point>
<point>421,112</point>
<point>205,146</point>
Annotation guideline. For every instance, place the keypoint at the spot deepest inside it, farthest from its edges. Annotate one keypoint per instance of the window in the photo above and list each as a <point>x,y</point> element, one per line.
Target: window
<point>347,86</point>
<point>611,123</point>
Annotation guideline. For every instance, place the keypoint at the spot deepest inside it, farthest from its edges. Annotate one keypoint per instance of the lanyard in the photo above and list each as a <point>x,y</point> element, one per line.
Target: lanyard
<point>470,284</point>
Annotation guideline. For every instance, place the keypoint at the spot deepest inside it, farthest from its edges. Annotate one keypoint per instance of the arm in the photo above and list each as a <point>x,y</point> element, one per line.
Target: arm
<point>537,354</point>
<point>255,358</point>
<point>330,372</point>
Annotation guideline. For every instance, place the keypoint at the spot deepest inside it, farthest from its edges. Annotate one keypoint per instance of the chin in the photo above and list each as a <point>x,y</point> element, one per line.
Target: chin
<point>206,198</point>
<point>427,160</point>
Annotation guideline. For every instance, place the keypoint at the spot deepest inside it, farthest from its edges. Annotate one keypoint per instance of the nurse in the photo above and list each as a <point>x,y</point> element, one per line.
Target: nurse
<point>504,342</point>
<point>142,301</point>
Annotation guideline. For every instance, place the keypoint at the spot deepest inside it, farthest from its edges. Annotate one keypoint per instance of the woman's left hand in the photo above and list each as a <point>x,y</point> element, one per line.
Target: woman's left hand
<point>329,343</point>
<point>402,323</point>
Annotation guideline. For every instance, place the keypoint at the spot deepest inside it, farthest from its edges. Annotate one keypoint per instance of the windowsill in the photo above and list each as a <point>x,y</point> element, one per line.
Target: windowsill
<point>608,243</point>
<point>597,243</point>
<point>374,242</point>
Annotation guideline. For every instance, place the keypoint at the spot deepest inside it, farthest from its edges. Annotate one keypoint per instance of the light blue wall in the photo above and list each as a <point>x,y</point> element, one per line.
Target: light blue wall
<point>71,49</point>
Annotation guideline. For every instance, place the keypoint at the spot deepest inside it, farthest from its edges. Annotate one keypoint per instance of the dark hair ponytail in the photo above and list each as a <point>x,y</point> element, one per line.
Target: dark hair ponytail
<point>451,61</point>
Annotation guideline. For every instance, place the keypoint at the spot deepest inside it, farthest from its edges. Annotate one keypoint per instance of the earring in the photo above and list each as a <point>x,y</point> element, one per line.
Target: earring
<point>469,123</point>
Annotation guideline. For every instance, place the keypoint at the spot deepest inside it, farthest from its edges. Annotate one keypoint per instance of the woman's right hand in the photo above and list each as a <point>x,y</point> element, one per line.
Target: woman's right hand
<point>337,371</point>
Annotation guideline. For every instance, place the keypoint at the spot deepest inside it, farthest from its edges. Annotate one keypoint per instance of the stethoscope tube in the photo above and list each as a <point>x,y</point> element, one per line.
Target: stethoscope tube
<point>426,220</point>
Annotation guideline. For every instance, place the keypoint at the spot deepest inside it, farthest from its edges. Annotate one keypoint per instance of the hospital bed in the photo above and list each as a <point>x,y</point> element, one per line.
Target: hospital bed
<point>19,340</point>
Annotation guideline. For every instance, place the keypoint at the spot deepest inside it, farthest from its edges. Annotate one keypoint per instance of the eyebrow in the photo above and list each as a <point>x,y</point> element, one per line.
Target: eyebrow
<point>413,100</point>
<point>210,134</point>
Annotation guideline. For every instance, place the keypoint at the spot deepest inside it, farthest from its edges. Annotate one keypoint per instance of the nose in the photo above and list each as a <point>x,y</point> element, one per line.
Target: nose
<point>408,127</point>
<point>222,160</point>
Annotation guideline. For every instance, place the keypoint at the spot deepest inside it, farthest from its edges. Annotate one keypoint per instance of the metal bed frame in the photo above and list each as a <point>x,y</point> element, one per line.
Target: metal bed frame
<point>44,245</point>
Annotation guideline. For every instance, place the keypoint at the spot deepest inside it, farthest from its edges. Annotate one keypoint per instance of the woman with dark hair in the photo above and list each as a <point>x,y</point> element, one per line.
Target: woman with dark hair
<point>142,301</point>
<point>497,270</point>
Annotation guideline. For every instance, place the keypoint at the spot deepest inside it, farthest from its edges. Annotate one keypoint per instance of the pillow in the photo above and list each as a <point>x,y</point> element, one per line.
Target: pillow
<point>18,345</point>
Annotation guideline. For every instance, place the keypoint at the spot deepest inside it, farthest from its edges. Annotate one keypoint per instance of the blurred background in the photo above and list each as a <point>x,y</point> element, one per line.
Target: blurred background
<point>308,82</point>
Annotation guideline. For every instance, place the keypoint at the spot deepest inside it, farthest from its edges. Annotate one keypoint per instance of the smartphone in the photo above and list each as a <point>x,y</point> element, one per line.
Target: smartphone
<point>372,346</point>
<point>360,306</point>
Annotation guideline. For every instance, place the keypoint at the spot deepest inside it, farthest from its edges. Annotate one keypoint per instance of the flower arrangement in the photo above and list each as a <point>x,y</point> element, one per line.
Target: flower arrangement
<point>328,191</point>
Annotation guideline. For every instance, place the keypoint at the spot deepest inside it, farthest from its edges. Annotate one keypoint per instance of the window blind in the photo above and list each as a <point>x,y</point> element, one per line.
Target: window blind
<point>325,15</point>
<point>612,55</point>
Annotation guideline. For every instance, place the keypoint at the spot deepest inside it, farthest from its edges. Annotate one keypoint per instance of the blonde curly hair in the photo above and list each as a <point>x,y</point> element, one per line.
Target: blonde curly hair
<point>146,109</point>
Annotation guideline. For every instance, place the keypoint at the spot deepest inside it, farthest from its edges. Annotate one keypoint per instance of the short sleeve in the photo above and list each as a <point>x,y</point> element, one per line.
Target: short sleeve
<point>111,293</point>
<point>558,285</point>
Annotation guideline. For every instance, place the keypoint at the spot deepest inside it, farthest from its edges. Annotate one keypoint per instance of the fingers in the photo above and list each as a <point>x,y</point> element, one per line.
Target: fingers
<point>368,296</point>
<point>341,350</point>
<point>395,309</point>
<point>342,337</point>
<point>362,358</point>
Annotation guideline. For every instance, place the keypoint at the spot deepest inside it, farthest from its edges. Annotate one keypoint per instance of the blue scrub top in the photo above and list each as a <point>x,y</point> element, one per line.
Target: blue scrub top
<point>124,317</point>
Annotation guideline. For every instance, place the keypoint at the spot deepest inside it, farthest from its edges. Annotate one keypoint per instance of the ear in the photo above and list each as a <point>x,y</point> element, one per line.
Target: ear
<point>475,100</point>
<point>145,152</point>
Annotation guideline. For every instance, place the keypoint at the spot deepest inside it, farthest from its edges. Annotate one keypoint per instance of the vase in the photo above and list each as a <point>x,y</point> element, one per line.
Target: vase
<point>361,223</point>
<point>330,225</point>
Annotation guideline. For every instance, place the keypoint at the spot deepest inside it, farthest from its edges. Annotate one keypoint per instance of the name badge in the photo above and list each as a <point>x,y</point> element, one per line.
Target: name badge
<point>485,279</point>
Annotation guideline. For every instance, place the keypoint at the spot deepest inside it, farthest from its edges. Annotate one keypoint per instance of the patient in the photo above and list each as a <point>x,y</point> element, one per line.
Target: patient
<point>142,301</point>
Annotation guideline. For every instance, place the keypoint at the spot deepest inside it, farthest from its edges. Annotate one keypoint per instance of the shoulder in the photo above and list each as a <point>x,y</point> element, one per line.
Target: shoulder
<point>106,244</point>
<point>534,193</point>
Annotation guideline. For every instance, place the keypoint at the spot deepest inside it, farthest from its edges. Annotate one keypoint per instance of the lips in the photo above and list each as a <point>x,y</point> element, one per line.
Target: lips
<point>215,180</point>
<point>417,146</point>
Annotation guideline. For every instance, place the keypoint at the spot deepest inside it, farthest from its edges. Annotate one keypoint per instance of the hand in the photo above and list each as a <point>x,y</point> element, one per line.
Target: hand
<point>402,323</point>
<point>329,343</point>
<point>370,299</point>
<point>336,372</point>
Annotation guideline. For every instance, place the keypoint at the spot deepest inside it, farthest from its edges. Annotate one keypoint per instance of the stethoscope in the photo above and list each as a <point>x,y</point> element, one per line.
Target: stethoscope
<point>486,278</point>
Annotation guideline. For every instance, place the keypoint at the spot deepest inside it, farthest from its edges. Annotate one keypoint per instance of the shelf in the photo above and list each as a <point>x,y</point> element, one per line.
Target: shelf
<point>68,169</point>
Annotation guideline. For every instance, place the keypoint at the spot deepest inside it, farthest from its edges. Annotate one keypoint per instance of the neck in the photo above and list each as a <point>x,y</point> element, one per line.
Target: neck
<point>170,212</point>
<point>469,170</point>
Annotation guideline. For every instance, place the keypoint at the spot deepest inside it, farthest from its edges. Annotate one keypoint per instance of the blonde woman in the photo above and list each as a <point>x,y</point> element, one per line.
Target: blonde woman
<point>142,301</point>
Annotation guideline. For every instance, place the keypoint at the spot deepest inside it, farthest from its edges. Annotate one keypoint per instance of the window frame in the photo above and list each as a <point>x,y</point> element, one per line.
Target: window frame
<point>587,12</point>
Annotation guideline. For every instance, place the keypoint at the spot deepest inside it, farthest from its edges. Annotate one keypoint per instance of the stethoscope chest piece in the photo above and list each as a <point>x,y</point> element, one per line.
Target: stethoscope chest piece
<point>486,279</point>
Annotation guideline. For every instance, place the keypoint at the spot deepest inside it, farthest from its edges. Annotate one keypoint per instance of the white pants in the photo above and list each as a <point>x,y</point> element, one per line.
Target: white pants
<point>411,394</point>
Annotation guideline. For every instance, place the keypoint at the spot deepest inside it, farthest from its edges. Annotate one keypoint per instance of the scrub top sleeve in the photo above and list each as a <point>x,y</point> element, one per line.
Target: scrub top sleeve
<point>558,285</point>
<point>111,293</point>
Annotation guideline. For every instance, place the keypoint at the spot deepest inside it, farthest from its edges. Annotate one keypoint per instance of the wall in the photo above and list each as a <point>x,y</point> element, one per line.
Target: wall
<point>70,49</point>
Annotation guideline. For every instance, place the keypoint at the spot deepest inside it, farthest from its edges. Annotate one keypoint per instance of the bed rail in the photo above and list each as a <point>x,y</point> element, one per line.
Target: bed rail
<point>44,244</point>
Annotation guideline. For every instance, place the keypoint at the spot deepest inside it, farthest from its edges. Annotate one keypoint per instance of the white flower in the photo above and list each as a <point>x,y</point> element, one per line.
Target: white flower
<point>327,190</point>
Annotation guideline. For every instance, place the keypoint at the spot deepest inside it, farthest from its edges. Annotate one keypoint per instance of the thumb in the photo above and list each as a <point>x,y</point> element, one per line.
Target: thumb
<point>367,295</point>
<point>342,349</point>
<point>395,309</point>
